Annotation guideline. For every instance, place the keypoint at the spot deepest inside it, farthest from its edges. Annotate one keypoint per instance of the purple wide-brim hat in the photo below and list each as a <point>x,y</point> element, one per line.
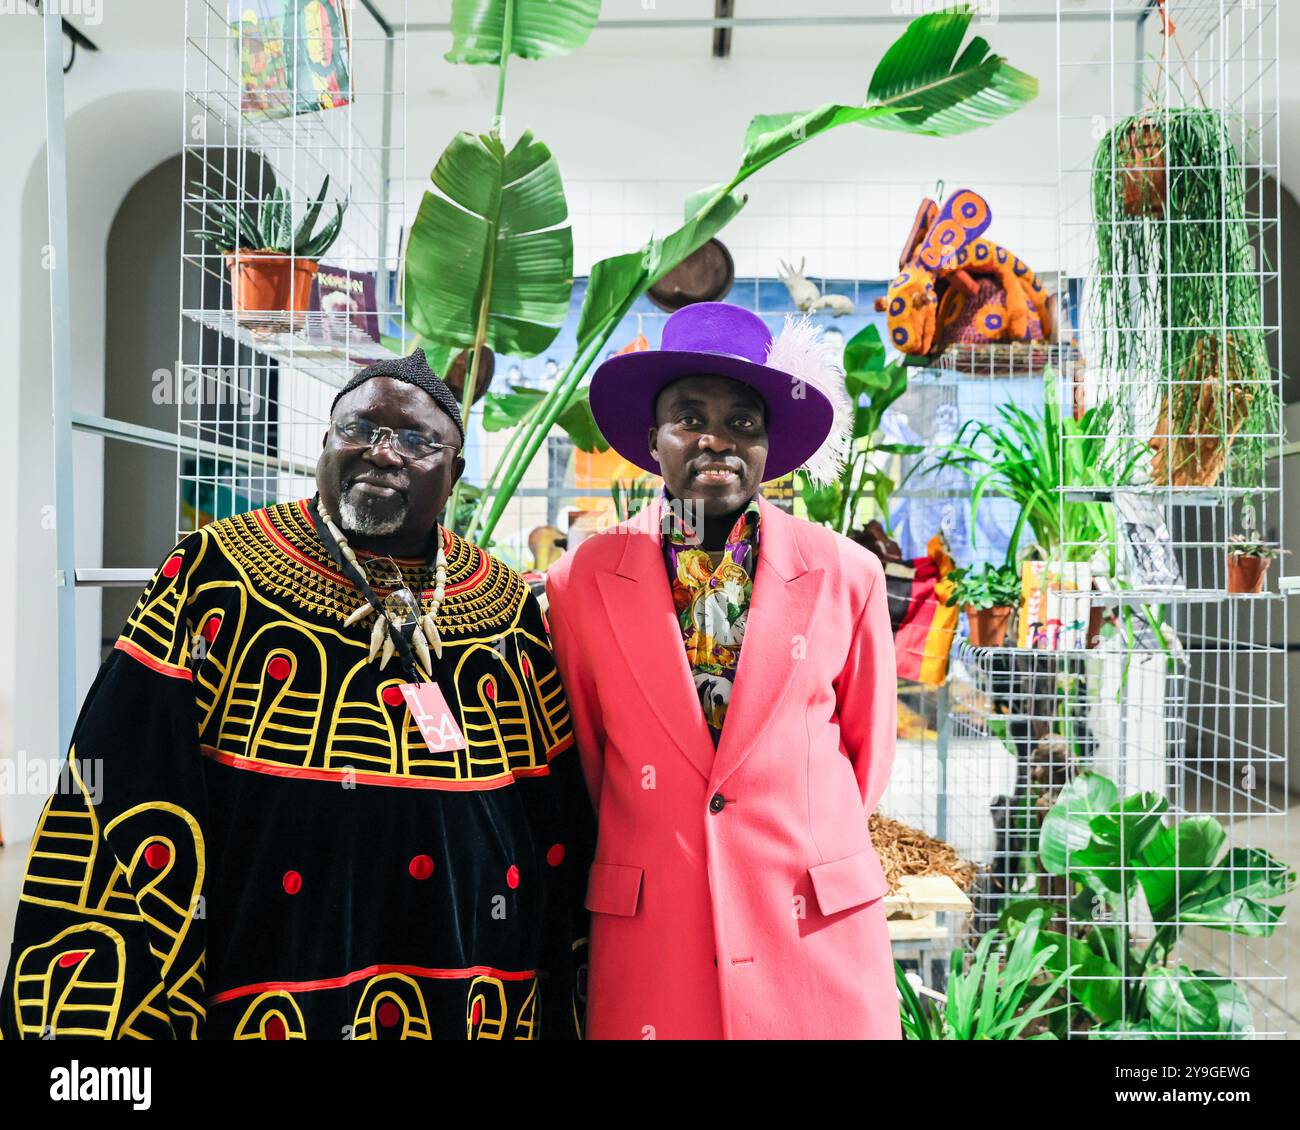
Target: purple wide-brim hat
<point>709,338</point>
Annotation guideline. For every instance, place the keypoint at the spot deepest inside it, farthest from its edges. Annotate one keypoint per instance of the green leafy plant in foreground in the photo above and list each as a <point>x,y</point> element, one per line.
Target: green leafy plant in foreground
<point>1111,848</point>
<point>989,999</point>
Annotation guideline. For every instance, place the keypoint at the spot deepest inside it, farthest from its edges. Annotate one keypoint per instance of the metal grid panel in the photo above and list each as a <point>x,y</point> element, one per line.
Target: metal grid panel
<point>258,385</point>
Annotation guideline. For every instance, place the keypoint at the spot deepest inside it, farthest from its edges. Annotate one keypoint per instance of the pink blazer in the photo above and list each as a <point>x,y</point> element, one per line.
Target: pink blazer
<point>734,895</point>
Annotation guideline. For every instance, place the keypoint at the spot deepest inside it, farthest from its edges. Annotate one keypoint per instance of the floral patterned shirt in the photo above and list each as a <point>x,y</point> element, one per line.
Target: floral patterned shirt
<point>711,594</point>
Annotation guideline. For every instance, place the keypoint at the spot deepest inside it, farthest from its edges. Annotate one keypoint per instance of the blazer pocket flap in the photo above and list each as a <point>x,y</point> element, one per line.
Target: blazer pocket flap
<point>613,889</point>
<point>847,882</point>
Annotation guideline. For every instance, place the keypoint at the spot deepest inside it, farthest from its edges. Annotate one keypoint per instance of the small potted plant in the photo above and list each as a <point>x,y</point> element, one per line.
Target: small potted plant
<point>1248,561</point>
<point>272,262</point>
<point>988,598</point>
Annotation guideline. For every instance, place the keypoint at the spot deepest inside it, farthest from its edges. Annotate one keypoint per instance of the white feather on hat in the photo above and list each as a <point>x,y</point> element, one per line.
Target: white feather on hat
<point>800,350</point>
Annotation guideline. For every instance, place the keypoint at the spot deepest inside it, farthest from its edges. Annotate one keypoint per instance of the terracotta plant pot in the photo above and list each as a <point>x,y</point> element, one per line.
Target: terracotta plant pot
<point>265,283</point>
<point>1246,574</point>
<point>988,626</point>
<point>1140,155</point>
<point>1095,617</point>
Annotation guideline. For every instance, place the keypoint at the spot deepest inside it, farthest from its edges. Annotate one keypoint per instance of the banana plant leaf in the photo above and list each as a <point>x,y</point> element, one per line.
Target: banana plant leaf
<point>539,29</point>
<point>934,87</point>
<point>617,282</point>
<point>929,91</point>
<point>490,247</point>
<point>509,409</point>
<point>921,85</point>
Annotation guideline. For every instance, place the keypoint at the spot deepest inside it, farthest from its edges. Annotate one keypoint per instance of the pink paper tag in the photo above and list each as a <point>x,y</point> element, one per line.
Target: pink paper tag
<point>434,717</point>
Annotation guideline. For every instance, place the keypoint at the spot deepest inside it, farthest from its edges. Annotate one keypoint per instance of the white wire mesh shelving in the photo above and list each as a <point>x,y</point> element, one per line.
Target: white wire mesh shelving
<point>254,387</point>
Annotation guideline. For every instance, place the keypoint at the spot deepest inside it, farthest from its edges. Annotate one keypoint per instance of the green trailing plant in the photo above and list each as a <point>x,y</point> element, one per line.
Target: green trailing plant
<point>1175,298</point>
<point>1033,458</point>
<point>996,586</point>
<point>926,83</point>
<point>872,385</point>
<point>1110,848</point>
<point>269,226</point>
<point>989,998</point>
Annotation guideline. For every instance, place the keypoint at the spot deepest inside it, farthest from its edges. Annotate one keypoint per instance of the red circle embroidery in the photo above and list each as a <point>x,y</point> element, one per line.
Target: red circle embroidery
<point>172,565</point>
<point>68,960</point>
<point>157,856</point>
<point>512,877</point>
<point>211,628</point>
<point>275,1029</point>
<point>389,1014</point>
<point>490,689</point>
<point>278,669</point>
<point>292,882</point>
<point>476,1013</point>
<point>420,867</point>
<point>555,855</point>
<point>392,695</point>
<point>525,665</point>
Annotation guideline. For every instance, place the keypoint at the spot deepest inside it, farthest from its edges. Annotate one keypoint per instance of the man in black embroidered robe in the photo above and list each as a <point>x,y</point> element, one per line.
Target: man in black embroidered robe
<point>276,851</point>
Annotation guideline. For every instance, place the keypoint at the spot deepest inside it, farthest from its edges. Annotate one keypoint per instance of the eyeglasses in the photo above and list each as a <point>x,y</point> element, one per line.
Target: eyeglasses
<point>356,431</point>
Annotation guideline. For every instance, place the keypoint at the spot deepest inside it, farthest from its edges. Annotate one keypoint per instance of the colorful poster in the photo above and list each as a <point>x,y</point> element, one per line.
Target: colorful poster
<point>294,56</point>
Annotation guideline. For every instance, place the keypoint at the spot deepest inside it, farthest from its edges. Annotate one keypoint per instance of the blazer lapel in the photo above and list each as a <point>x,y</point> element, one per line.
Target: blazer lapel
<point>643,622</point>
<point>780,617</point>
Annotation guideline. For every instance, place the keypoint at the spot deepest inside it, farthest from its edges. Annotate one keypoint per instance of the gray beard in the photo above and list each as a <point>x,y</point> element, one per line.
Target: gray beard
<point>359,519</point>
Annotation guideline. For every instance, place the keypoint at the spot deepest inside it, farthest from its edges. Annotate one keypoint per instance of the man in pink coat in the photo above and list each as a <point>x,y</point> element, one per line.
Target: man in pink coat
<point>731,673</point>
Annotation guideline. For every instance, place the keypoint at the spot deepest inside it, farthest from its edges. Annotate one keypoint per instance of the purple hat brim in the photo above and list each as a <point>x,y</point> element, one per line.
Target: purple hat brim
<point>624,389</point>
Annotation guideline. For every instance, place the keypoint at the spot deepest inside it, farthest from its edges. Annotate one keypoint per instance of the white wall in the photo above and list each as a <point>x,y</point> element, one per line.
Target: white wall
<point>124,118</point>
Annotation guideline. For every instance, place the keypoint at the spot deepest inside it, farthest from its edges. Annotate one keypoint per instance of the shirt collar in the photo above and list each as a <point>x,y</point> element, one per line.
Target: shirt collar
<point>674,527</point>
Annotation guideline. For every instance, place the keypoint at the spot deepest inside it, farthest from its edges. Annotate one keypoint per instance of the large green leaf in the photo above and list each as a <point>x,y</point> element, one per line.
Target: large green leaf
<point>1176,861</point>
<point>1067,825</point>
<point>491,232</point>
<point>1228,899</point>
<point>538,28</point>
<point>1181,1004</point>
<point>1118,836</point>
<point>934,87</point>
<point>771,135</point>
<point>507,410</point>
<point>1235,1020</point>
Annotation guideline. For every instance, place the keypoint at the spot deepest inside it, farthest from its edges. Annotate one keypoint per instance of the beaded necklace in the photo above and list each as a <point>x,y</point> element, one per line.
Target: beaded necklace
<point>400,627</point>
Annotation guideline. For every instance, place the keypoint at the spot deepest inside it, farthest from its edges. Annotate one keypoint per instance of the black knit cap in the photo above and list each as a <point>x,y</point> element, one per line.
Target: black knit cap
<point>414,370</point>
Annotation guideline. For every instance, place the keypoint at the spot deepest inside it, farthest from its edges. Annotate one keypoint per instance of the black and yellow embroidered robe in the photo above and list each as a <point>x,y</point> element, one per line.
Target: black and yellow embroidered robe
<point>273,851</point>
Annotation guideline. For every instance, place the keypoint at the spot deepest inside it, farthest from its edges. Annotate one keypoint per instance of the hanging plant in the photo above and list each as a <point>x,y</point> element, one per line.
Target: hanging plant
<point>1176,294</point>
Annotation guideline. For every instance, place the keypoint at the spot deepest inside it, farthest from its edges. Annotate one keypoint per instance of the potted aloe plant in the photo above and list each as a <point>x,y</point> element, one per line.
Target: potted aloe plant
<point>1248,561</point>
<point>271,260</point>
<point>988,598</point>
